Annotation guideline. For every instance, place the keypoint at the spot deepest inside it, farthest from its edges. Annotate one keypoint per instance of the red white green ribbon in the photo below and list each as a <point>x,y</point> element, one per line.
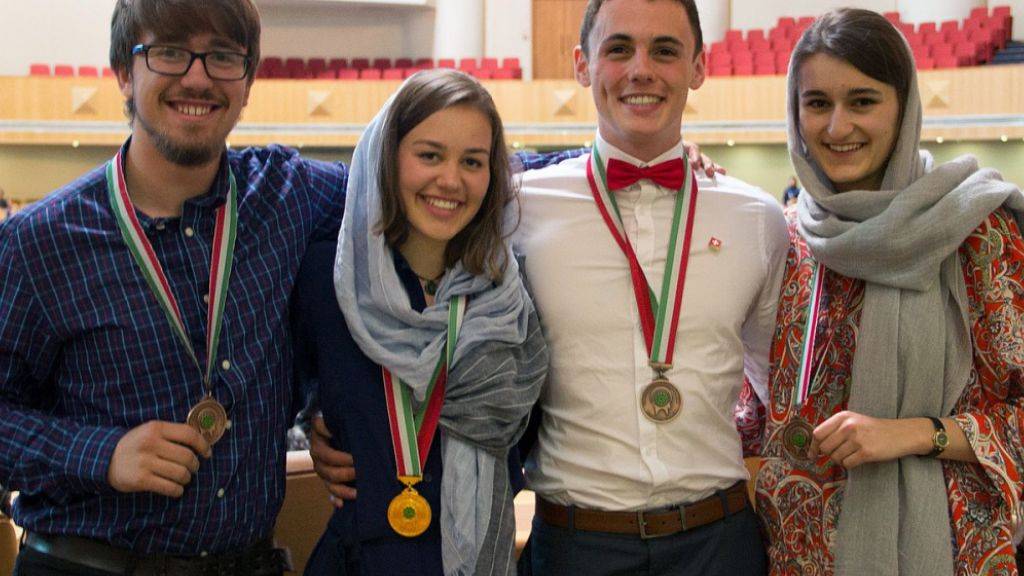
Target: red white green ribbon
<point>659,315</point>
<point>142,251</point>
<point>412,431</point>
<point>813,312</point>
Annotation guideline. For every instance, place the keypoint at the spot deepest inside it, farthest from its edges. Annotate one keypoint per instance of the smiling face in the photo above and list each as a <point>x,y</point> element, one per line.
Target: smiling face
<point>443,174</point>
<point>848,120</point>
<point>640,67</point>
<point>185,119</point>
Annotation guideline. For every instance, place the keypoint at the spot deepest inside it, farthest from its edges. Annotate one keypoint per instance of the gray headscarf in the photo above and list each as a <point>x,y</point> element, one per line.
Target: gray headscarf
<point>914,350</point>
<point>496,376</point>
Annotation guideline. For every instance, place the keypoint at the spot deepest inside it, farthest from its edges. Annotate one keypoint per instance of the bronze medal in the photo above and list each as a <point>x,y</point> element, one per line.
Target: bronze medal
<point>209,419</point>
<point>661,401</point>
<point>796,439</point>
<point>409,513</point>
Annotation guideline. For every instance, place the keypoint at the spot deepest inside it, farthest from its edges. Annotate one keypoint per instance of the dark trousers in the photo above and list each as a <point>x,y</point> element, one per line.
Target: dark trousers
<point>732,546</point>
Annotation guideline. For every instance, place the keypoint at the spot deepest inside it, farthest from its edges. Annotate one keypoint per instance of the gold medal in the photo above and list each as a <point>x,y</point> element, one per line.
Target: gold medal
<point>409,513</point>
<point>796,439</point>
<point>661,401</point>
<point>209,419</point>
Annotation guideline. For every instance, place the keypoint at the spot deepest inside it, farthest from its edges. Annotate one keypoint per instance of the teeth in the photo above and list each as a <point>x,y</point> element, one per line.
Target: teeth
<point>443,204</point>
<point>844,147</point>
<point>641,99</point>
<point>193,110</point>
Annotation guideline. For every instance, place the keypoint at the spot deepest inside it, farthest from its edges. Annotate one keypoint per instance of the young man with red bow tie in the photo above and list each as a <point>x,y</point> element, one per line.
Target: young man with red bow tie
<point>657,291</point>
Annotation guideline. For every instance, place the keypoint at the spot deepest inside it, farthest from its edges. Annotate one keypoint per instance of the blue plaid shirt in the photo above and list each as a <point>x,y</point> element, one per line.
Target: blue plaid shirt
<point>86,353</point>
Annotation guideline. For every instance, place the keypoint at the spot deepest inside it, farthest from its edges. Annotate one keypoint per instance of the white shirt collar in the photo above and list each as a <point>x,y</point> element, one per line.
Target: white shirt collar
<point>608,151</point>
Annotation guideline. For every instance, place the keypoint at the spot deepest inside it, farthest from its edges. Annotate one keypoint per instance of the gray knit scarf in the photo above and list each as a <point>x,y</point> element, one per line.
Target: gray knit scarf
<point>914,350</point>
<point>500,364</point>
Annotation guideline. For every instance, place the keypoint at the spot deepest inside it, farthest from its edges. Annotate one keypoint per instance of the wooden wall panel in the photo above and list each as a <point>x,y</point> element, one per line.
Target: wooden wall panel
<point>556,30</point>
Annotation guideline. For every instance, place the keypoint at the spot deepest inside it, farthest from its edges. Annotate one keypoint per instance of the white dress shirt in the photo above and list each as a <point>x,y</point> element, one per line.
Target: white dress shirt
<point>596,449</point>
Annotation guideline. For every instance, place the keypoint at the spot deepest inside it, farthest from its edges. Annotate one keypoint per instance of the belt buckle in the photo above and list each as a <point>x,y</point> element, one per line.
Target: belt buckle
<point>642,523</point>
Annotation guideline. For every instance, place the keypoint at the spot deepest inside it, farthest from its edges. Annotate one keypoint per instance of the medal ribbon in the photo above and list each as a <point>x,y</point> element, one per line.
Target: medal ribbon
<point>221,259</point>
<point>803,381</point>
<point>412,432</point>
<point>659,322</point>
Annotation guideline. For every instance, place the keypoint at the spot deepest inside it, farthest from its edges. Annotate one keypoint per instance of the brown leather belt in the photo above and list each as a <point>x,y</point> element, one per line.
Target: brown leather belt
<point>648,524</point>
<point>258,559</point>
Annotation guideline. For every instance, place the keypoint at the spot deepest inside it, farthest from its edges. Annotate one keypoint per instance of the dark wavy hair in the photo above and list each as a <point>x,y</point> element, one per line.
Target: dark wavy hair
<point>594,6</point>
<point>480,246</point>
<point>866,40</point>
<point>176,20</point>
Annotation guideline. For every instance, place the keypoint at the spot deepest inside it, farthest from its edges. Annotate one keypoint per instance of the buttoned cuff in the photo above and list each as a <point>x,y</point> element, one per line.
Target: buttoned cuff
<point>88,459</point>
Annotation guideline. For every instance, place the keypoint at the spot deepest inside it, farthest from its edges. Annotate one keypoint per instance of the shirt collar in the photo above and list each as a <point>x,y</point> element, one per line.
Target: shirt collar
<point>218,192</point>
<point>608,151</point>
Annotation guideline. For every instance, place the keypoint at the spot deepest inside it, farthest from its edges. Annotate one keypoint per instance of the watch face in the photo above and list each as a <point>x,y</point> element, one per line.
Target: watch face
<point>941,439</point>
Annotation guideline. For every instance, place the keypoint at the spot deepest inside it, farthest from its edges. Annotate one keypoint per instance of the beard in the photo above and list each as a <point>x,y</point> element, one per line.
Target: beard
<point>187,154</point>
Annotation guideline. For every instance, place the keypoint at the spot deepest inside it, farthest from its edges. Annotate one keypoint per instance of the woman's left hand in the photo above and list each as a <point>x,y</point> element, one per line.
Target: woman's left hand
<point>701,162</point>
<point>851,439</point>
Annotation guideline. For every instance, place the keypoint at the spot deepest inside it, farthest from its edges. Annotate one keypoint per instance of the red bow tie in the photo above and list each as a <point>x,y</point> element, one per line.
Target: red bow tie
<point>669,174</point>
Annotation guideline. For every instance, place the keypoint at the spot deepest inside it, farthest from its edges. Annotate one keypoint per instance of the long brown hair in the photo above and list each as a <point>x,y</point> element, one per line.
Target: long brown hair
<point>480,246</point>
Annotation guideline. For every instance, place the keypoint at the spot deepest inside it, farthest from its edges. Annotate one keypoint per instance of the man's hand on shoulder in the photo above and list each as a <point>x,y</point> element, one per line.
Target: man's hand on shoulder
<point>701,162</point>
<point>334,467</point>
<point>159,457</point>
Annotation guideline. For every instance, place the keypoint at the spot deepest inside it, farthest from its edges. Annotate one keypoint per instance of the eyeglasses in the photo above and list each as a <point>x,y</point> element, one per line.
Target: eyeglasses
<point>174,61</point>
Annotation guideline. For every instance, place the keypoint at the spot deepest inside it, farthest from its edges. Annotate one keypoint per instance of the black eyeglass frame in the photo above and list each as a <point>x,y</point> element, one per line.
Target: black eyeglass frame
<point>193,56</point>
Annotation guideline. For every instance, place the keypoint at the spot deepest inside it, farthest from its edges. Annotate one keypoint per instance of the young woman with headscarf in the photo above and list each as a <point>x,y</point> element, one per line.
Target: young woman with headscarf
<point>435,331</point>
<point>892,444</point>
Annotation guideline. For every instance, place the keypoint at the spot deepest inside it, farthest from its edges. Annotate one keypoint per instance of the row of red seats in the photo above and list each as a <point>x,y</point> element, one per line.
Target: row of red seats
<point>948,45</point>
<point>67,70</point>
<point>400,73</point>
<point>272,67</point>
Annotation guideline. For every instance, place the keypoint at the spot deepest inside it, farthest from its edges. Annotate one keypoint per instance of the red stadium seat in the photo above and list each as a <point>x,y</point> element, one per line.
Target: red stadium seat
<point>316,65</point>
<point>805,21</point>
<point>782,45</point>
<point>731,35</point>
<point>392,74</point>
<point>406,72</point>
<point>719,47</point>
<point>925,27</point>
<point>39,70</point>
<point>348,74</point>
<point>503,74</point>
<point>720,59</point>
<point>360,63</point>
<point>782,61</point>
<point>424,63</point>
<point>949,26</point>
<point>984,40</point>
<point>721,71</point>
<point>338,64</point>
<point>893,17</point>
<point>941,51</point>
<point>925,64</point>
<point>931,38</point>
<point>467,64</point>
<point>966,53</point>
<point>759,45</point>
<point>787,22</point>
<point>107,72</point>
<point>403,63</point>
<point>327,74</point>
<point>907,29</point>
<point>381,63</point>
<point>764,59</point>
<point>914,39</point>
<point>489,63</point>
<point>743,70</point>
<point>946,62</point>
<point>958,37</point>
<point>742,59</point>
<point>755,34</point>
<point>510,63</point>
<point>738,46</point>
<point>778,33</point>
<point>980,12</point>
<point>88,71</point>
<point>63,70</point>
<point>480,73</point>
<point>446,63</point>
<point>922,52</point>
<point>1001,11</point>
<point>764,69</point>
<point>370,74</point>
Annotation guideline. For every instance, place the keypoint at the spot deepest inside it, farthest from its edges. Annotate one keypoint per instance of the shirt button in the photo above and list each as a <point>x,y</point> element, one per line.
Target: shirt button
<point>225,365</point>
<point>220,493</point>
<point>206,298</point>
<point>190,232</point>
<point>160,226</point>
<point>204,554</point>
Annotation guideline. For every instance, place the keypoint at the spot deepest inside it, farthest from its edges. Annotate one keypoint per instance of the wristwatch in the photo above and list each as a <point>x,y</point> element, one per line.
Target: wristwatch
<point>940,440</point>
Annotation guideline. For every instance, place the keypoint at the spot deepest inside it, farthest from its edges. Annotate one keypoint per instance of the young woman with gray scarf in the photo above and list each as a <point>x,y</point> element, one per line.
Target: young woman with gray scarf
<point>424,324</point>
<point>892,444</point>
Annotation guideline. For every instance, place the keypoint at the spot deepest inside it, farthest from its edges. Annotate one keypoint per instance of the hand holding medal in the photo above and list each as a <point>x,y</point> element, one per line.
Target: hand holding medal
<point>798,433</point>
<point>207,417</point>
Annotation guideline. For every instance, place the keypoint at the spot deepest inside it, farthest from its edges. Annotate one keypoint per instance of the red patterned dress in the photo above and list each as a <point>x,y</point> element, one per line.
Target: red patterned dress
<point>800,503</point>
